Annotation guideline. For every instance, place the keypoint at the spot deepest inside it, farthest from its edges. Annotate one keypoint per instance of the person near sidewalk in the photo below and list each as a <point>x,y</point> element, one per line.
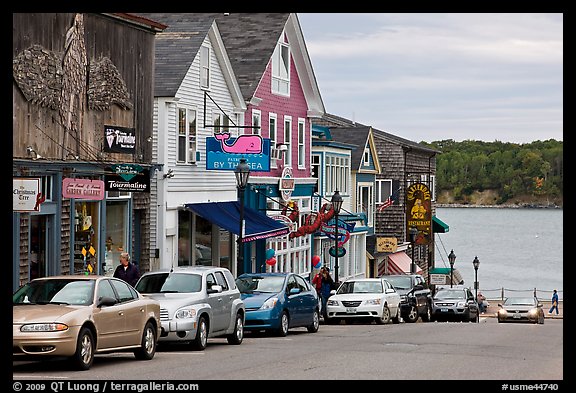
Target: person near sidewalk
<point>317,284</point>
<point>127,270</point>
<point>326,287</point>
<point>482,303</point>
<point>554,303</point>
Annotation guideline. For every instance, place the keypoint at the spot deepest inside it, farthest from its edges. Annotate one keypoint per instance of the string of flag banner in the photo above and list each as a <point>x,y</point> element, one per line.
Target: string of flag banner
<point>388,202</point>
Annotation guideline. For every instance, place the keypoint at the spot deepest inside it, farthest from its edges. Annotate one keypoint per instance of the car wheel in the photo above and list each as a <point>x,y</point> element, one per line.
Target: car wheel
<point>84,355</point>
<point>412,316</point>
<point>384,317</point>
<point>238,334</point>
<point>201,340</point>
<point>284,324</point>
<point>466,316</point>
<point>313,328</point>
<point>427,314</point>
<point>396,318</point>
<point>148,345</point>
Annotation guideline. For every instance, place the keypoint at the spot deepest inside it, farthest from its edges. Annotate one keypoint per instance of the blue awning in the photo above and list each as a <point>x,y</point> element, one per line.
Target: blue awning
<point>227,215</point>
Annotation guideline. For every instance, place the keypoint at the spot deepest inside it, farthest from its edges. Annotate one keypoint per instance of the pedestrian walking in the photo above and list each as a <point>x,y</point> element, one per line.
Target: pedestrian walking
<point>554,303</point>
<point>326,286</point>
<point>127,270</point>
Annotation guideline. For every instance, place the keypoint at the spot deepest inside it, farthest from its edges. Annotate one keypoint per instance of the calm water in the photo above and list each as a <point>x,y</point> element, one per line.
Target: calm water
<point>518,249</point>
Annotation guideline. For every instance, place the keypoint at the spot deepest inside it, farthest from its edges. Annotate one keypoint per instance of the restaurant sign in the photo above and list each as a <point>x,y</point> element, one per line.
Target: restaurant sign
<point>127,178</point>
<point>419,212</point>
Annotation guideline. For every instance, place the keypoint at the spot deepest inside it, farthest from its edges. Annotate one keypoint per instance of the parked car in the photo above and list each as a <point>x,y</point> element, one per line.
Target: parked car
<point>415,296</point>
<point>454,303</point>
<point>521,309</point>
<point>196,303</point>
<point>373,299</point>
<point>80,316</point>
<point>277,302</point>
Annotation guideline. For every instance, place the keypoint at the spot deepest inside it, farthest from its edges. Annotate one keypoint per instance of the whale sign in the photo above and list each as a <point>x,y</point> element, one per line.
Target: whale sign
<point>223,152</point>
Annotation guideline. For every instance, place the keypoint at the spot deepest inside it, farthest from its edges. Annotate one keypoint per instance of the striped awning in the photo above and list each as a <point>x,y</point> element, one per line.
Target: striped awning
<point>397,263</point>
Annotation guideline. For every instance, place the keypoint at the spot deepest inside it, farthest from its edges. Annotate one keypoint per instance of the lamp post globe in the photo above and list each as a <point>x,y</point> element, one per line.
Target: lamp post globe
<point>451,259</point>
<point>242,173</point>
<point>476,264</point>
<point>337,205</point>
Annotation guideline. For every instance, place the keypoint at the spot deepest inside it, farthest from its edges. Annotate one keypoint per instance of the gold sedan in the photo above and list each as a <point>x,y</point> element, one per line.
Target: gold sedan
<point>79,316</point>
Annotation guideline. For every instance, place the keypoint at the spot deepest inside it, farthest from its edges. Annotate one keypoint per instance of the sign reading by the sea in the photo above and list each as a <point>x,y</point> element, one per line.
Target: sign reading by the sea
<point>128,178</point>
<point>419,211</point>
<point>224,152</point>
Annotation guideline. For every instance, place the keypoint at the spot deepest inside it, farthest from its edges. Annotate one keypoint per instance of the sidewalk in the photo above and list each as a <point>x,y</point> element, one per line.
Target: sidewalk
<point>492,310</point>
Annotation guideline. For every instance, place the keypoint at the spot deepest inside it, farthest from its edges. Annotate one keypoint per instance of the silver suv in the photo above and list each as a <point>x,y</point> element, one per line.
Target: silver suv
<point>196,302</point>
<point>454,303</point>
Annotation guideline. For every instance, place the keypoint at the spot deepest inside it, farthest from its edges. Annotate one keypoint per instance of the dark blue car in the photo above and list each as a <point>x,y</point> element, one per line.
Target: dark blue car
<point>277,302</point>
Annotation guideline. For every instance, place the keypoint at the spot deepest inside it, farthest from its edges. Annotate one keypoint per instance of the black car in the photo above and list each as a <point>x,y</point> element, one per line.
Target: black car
<point>454,303</point>
<point>415,296</point>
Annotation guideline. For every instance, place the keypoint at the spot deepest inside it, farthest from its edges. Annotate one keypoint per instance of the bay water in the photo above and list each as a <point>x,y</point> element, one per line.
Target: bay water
<point>519,249</point>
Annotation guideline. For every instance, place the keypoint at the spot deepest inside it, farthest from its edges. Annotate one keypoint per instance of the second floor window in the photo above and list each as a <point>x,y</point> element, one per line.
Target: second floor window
<point>204,67</point>
<point>186,135</point>
<point>301,149</point>
<point>256,124</point>
<point>288,140</point>
<point>273,136</point>
<point>281,69</point>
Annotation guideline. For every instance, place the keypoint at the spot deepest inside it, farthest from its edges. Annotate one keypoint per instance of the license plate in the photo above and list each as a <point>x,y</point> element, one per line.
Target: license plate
<point>516,316</point>
<point>444,310</point>
<point>350,310</point>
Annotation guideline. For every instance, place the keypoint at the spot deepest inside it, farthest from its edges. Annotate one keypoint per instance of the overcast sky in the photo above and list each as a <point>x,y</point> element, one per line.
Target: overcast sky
<point>430,77</point>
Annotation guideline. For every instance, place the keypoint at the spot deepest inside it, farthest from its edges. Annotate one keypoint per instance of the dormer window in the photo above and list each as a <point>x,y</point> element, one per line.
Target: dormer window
<point>366,157</point>
<point>204,67</point>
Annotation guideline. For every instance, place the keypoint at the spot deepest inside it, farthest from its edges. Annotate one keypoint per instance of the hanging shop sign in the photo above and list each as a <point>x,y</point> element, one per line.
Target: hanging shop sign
<point>386,244</point>
<point>83,189</point>
<point>26,195</point>
<point>127,178</point>
<point>287,184</point>
<point>119,139</point>
<point>223,152</point>
<point>419,211</point>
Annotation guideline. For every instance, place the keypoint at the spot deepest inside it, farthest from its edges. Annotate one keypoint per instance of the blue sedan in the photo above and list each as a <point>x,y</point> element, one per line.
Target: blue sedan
<point>277,302</point>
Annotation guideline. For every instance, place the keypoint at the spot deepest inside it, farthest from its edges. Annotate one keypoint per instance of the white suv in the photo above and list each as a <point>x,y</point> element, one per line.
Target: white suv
<point>196,302</point>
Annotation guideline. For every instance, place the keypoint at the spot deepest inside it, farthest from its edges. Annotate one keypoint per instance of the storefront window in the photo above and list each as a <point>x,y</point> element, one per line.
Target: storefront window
<point>225,249</point>
<point>85,237</point>
<point>203,251</point>
<point>116,234</point>
<point>184,238</point>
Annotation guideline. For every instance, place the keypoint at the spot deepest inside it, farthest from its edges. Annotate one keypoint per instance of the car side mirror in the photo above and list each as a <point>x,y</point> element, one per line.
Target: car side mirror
<point>333,292</point>
<point>539,305</point>
<point>106,301</point>
<point>294,291</point>
<point>215,289</point>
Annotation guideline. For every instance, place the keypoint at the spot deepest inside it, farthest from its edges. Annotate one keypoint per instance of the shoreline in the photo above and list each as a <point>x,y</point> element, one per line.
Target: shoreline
<point>511,206</point>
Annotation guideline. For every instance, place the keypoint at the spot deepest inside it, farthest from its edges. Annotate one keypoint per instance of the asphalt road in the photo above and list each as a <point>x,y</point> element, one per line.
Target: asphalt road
<point>407,352</point>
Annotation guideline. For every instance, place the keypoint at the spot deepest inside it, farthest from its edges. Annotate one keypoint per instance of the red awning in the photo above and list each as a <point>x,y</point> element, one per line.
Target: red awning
<point>399,263</point>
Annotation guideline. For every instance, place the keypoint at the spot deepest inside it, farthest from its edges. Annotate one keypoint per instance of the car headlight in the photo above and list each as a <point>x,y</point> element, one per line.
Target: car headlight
<point>461,304</point>
<point>533,312</point>
<point>270,303</point>
<point>185,313</point>
<point>374,302</point>
<point>403,298</point>
<point>44,327</point>
<point>502,312</point>
<point>332,302</point>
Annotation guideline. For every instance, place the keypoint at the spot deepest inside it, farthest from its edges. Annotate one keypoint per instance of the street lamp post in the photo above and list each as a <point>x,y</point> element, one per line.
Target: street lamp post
<point>451,259</point>
<point>413,232</point>
<point>242,173</point>
<point>337,205</point>
<point>476,263</point>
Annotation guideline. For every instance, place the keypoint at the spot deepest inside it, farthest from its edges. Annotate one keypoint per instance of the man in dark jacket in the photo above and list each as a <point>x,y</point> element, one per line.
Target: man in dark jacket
<point>127,271</point>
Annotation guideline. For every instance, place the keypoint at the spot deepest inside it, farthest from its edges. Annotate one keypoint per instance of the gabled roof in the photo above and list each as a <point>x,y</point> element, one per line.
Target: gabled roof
<point>176,48</point>
<point>360,136</point>
<point>332,120</point>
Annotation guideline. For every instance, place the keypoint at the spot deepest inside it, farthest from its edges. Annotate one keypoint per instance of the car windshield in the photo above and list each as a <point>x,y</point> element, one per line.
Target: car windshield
<point>170,283</point>
<point>56,291</point>
<point>450,294</point>
<point>251,284</point>
<point>519,301</point>
<point>399,282</point>
<point>361,287</point>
